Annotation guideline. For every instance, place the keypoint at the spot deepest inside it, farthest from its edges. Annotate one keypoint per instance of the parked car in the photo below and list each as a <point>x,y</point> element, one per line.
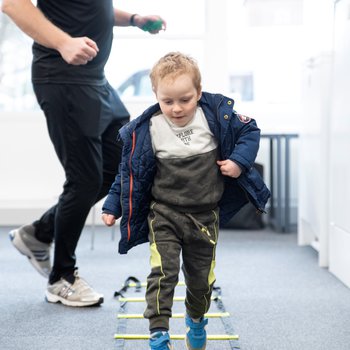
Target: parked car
<point>136,92</point>
<point>138,84</point>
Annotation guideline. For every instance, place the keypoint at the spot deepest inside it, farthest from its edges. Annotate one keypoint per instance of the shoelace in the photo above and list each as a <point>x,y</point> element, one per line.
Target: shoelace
<point>83,285</point>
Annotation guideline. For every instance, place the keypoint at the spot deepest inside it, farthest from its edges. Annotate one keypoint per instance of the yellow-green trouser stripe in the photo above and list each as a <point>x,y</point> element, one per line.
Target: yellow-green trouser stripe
<point>156,261</point>
<point>211,276</point>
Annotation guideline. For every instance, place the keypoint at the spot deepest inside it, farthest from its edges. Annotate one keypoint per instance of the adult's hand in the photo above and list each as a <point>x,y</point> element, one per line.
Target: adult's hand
<point>78,51</point>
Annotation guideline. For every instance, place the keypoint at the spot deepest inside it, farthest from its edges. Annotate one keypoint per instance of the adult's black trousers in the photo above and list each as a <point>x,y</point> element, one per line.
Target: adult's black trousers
<point>83,123</point>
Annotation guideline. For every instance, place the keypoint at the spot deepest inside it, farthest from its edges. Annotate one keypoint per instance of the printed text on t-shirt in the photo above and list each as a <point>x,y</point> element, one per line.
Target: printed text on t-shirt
<point>185,136</point>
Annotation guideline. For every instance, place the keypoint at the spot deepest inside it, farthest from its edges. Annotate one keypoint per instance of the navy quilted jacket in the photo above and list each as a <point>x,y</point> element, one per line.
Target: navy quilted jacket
<point>130,194</point>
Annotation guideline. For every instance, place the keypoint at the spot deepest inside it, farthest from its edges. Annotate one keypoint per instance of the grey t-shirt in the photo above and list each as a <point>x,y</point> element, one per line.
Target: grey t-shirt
<point>187,175</point>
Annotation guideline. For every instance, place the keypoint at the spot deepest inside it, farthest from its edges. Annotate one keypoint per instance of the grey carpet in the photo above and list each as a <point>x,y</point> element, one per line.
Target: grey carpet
<point>278,297</point>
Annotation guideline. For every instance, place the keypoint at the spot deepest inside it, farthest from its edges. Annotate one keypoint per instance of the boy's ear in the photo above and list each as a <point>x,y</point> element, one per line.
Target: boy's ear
<point>199,93</point>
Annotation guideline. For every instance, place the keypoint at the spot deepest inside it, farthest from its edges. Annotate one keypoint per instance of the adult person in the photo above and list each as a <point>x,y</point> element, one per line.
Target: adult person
<point>72,42</point>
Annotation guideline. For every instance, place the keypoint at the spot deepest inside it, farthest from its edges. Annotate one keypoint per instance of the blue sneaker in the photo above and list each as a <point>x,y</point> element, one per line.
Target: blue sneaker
<point>160,341</point>
<point>196,336</point>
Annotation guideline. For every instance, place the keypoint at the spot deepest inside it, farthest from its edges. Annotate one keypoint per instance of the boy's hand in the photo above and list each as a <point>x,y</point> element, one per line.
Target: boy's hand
<point>229,168</point>
<point>108,219</point>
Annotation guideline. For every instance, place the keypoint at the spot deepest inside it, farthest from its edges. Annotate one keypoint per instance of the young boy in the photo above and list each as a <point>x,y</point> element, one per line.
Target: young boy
<point>187,165</point>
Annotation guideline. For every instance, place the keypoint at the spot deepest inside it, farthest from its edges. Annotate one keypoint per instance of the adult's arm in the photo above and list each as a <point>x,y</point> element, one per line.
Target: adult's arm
<point>123,19</point>
<point>32,21</point>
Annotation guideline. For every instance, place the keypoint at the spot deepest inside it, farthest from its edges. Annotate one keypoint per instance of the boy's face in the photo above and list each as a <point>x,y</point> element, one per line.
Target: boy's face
<point>178,98</point>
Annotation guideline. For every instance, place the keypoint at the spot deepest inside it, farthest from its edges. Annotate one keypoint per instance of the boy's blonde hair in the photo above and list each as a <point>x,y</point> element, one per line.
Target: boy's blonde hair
<point>174,64</point>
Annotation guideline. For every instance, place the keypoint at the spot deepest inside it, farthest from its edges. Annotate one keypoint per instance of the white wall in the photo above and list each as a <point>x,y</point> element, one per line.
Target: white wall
<point>325,165</point>
<point>314,151</point>
<point>31,177</point>
<point>339,164</point>
<point>313,216</point>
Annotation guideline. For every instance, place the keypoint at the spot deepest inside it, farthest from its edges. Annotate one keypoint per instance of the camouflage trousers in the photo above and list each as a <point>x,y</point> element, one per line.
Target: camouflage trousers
<point>176,236</point>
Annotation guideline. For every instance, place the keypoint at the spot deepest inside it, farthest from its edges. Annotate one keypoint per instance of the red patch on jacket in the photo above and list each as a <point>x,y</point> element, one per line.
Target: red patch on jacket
<point>243,118</point>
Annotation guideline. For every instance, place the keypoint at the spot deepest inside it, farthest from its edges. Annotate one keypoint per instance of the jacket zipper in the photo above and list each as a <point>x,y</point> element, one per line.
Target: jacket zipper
<point>131,183</point>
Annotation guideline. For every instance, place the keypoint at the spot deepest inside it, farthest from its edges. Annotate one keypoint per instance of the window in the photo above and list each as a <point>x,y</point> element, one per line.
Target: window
<point>16,92</point>
<point>274,12</point>
<point>241,85</point>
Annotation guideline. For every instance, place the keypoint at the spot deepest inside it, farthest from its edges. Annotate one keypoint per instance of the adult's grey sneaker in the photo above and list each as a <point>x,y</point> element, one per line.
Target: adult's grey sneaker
<point>77,294</point>
<point>37,252</point>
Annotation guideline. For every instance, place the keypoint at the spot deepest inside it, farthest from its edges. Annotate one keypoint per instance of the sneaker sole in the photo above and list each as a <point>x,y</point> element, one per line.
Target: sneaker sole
<point>53,298</point>
<point>18,243</point>
<point>188,347</point>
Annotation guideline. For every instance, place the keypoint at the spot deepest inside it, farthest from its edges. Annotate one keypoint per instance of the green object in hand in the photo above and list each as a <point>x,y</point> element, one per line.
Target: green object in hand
<point>150,26</point>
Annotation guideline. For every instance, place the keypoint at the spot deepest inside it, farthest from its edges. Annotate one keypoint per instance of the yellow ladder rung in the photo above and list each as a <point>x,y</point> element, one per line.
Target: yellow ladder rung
<point>144,284</point>
<point>141,299</point>
<point>179,315</point>
<point>176,336</point>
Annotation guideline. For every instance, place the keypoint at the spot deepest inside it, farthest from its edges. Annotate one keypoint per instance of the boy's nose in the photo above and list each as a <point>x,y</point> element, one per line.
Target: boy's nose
<point>177,108</point>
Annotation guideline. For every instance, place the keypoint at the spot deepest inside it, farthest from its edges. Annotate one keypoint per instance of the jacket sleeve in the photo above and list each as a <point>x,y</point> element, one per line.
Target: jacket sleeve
<point>112,203</point>
<point>247,137</point>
